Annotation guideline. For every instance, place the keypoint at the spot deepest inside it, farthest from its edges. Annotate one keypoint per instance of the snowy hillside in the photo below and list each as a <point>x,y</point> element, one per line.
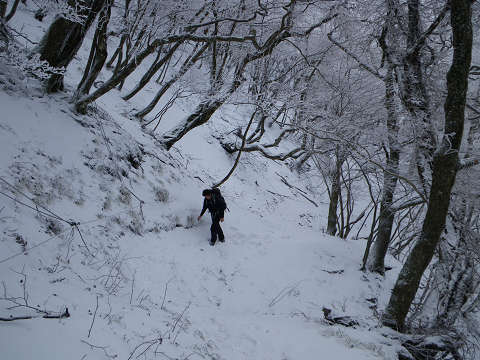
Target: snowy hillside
<point>101,253</point>
<point>161,289</point>
<point>257,296</point>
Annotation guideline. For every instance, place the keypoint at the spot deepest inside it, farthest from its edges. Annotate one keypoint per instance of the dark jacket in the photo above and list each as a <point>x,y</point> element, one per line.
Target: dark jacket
<point>215,206</point>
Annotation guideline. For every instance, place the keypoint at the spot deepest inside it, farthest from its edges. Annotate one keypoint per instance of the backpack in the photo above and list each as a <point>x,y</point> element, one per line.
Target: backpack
<point>218,199</point>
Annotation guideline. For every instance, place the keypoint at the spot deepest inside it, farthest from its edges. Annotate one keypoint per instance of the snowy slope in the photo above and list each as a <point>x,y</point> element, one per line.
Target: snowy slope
<point>162,291</point>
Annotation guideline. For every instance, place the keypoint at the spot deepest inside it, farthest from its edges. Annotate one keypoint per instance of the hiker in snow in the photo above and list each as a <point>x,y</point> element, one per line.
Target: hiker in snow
<point>215,203</point>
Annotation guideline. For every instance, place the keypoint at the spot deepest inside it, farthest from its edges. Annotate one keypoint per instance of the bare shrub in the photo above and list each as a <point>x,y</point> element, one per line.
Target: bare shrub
<point>161,195</point>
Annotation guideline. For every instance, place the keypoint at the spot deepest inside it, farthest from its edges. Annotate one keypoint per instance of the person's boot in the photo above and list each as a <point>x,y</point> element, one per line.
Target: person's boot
<point>222,240</point>
<point>212,242</point>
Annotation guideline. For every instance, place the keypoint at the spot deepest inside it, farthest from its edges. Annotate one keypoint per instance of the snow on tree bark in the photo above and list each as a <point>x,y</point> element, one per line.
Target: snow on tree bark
<point>387,214</point>
<point>64,37</point>
<point>184,68</point>
<point>445,161</point>
<point>152,71</point>
<point>98,52</point>
<point>335,193</point>
<point>3,8</point>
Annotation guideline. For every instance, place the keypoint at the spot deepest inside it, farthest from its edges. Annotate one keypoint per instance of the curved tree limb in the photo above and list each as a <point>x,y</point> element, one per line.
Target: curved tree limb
<point>354,57</point>
<point>12,11</point>
<point>244,139</point>
<point>421,40</point>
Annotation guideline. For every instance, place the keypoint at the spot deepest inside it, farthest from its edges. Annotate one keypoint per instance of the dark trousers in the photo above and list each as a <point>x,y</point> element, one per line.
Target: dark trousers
<point>216,229</point>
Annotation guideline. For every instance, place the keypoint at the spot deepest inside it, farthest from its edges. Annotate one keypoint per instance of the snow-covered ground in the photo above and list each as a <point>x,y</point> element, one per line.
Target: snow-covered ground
<point>161,290</point>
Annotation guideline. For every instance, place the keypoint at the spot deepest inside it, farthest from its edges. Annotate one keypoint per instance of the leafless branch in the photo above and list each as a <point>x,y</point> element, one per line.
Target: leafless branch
<point>180,316</point>
<point>421,40</point>
<point>148,344</point>
<point>355,57</point>
<point>104,348</point>
<point>12,11</point>
<point>93,320</point>
<point>319,24</point>
<point>218,21</point>
<point>133,285</point>
<point>408,204</point>
<point>244,139</point>
<point>302,193</point>
<point>165,293</point>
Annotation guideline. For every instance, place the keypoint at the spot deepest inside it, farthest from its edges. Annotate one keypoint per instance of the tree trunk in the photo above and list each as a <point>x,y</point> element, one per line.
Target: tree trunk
<point>183,69</point>
<point>3,8</point>
<point>370,238</point>
<point>200,116</point>
<point>415,97</point>
<point>461,278</point>
<point>386,216</point>
<point>332,208</point>
<point>206,109</point>
<point>4,36</point>
<point>152,71</point>
<point>129,51</point>
<point>82,103</point>
<point>155,67</point>
<point>12,12</point>
<point>445,163</point>
<point>98,52</point>
<point>117,52</point>
<point>123,38</point>
<point>120,74</point>
<point>63,39</point>
<point>157,64</point>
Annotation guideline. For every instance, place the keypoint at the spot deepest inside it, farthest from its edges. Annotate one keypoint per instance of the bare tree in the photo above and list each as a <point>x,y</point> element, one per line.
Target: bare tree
<point>3,8</point>
<point>392,153</point>
<point>12,11</point>
<point>187,64</point>
<point>98,52</point>
<point>65,36</point>
<point>129,68</point>
<point>445,163</point>
<point>4,35</point>
<point>209,106</point>
<point>334,192</point>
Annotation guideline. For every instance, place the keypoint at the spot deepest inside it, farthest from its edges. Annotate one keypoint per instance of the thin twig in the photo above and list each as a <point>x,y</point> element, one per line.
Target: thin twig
<point>302,193</point>
<point>104,348</point>
<point>133,285</point>
<point>165,293</point>
<point>22,36</point>
<point>83,240</point>
<point>150,343</point>
<point>180,317</point>
<point>93,320</point>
